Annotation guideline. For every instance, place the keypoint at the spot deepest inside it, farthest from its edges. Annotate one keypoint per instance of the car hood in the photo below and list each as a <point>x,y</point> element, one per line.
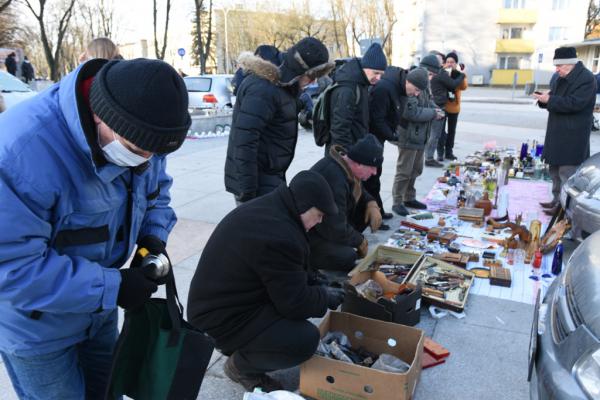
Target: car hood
<point>12,98</point>
<point>582,281</point>
<point>587,177</point>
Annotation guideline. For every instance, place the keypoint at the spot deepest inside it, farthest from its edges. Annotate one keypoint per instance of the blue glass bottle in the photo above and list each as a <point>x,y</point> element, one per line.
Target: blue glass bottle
<point>524,148</point>
<point>557,259</point>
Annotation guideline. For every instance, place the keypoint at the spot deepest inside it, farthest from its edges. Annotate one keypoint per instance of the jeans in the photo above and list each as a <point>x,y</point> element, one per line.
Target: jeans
<point>285,344</point>
<point>446,142</point>
<point>77,372</point>
<point>437,127</point>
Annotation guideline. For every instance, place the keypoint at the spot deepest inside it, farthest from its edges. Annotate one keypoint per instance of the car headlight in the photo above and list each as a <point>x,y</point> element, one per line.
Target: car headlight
<point>587,373</point>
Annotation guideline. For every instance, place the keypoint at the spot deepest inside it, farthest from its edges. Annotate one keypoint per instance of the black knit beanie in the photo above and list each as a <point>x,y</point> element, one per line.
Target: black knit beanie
<point>374,58</point>
<point>144,101</point>
<point>310,189</point>
<point>307,57</point>
<point>418,77</point>
<point>367,151</point>
<point>430,63</point>
<point>452,55</point>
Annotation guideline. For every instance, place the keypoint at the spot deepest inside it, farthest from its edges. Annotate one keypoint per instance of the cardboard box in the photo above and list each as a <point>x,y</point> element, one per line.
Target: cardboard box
<point>326,379</point>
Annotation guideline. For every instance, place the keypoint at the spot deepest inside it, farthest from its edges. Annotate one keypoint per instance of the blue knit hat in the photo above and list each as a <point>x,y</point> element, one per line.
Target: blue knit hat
<point>374,58</point>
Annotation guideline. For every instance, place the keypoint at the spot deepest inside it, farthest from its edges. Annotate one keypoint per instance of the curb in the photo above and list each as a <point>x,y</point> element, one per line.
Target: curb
<point>495,100</point>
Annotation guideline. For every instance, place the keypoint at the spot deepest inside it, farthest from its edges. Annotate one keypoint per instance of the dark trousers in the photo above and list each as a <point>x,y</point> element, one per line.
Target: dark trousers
<point>373,187</point>
<point>285,344</point>
<point>446,142</point>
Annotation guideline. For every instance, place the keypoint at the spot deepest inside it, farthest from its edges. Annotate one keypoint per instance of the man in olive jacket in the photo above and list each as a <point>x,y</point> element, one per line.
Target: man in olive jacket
<point>570,104</point>
<point>251,292</point>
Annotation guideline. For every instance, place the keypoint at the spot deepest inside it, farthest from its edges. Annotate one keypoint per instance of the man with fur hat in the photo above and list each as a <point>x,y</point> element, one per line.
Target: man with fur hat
<point>82,180</point>
<point>264,128</point>
<point>338,241</point>
<point>570,104</point>
<point>402,111</point>
<point>251,290</point>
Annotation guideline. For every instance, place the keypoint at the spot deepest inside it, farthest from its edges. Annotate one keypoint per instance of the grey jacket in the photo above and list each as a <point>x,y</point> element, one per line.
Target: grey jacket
<point>413,130</point>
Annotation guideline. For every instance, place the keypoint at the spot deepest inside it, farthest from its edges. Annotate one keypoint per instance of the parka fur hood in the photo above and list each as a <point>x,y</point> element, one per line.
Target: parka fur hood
<point>251,63</point>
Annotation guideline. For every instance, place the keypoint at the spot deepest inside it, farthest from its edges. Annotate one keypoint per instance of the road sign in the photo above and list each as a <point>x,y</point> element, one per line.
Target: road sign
<point>181,52</point>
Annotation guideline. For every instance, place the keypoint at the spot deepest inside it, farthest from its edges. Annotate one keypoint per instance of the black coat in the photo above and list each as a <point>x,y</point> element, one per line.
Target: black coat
<point>252,273</point>
<point>570,117</point>
<point>349,114</point>
<point>386,104</point>
<point>11,65</point>
<point>349,196</point>
<point>441,84</point>
<point>264,131</point>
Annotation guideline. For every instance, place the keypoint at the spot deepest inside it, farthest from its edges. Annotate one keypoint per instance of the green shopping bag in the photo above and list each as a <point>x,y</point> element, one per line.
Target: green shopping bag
<point>158,354</point>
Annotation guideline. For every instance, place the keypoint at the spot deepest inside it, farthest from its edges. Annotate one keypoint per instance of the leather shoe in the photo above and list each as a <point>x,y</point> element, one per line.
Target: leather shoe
<point>415,204</point>
<point>400,210</point>
<point>384,227</point>
<point>433,163</point>
<point>386,216</point>
<point>450,157</point>
<point>250,381</point>
<point>549,204</point>
<point>552,211</point>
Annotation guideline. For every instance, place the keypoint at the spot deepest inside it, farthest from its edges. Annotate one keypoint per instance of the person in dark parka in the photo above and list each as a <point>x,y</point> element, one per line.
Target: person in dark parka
<point>570,104</point>
<point>250,291</point>
<point>264,127</point>
<point>338,241</point>
<point>11,64</point>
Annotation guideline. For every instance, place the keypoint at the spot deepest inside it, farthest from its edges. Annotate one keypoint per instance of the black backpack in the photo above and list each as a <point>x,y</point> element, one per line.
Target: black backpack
<point>320,116</point>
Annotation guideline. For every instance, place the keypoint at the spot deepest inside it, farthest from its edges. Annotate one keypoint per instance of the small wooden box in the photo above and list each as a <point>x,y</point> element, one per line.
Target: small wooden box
<point>500,276</point>
<point>470,214</point>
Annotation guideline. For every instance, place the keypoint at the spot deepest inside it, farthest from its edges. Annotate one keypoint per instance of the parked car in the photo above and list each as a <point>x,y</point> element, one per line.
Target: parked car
<point>580,197</point>
<point>565,336</point>
<point>13,90</point>
<point>209,91</point>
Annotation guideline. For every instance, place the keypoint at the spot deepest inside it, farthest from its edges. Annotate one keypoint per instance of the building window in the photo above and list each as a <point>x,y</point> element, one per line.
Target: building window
<point>513,62</point>
<point>514,3</point>
<point>596,60</point>
<point>560,4</point>
<point>558,33</point>
<point>512,32</point>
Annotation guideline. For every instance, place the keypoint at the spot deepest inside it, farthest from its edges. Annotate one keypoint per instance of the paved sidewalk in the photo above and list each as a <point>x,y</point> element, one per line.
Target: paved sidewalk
<point>485,94</point>
<point>489,346</point>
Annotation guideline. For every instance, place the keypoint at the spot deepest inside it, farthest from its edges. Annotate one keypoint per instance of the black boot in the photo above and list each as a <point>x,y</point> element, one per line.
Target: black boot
<point>415,204</point>
<point>400,209</point>
<point>250,381</point>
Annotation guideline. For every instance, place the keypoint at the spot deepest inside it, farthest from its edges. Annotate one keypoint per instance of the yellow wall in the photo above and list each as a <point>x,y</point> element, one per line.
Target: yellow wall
<point>515,46</point>
<point>506,76</point>
<point>517,16</point>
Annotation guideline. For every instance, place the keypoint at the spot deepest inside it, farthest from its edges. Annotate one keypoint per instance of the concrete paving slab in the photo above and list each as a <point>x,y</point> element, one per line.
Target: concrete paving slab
<point>187,238</point>
<point>211,208</point>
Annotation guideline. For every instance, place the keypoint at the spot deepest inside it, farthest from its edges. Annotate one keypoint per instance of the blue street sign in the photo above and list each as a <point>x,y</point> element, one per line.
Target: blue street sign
<point>181,52</point>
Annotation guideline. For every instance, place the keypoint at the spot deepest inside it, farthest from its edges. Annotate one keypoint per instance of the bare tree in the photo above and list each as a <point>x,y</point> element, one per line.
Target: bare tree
<point>592,20</point>
<point>52,46</point>
<point>160,53</point>
<point>202,33</point>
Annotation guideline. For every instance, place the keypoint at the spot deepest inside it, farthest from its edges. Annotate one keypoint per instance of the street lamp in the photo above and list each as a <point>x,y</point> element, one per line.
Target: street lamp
<point>225,12</point>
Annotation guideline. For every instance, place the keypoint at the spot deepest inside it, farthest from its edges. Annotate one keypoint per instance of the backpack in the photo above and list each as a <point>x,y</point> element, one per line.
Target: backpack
<point>320,116</point>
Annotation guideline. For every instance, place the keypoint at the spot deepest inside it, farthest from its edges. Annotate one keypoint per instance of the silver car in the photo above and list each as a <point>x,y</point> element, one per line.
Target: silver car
<point>565,339</point>
<point>12,91</point>
<point>580,197</point>
<point>209,91</point>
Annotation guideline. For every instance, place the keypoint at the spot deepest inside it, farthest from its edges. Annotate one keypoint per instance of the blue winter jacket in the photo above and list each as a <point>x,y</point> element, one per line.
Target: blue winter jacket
<point>65,225</point>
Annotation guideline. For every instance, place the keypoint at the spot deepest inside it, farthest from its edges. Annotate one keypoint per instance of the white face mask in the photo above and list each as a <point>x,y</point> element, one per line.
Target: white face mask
<point>120,155</point>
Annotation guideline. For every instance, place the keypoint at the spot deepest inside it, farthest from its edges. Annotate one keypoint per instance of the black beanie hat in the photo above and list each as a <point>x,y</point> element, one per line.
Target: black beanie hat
<point>310,189</point>
<point>565,55</point>
<point>418,77</point>
<point>452,55</point>
<point>269,53</point>
<point>431,63</point>
<point>367,151</point>
<point>307,57</point>
<point>144,101</point>
<point>374,58</point>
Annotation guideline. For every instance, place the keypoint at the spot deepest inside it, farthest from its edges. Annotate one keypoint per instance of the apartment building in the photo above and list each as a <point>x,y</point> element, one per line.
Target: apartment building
<point>499,41</point>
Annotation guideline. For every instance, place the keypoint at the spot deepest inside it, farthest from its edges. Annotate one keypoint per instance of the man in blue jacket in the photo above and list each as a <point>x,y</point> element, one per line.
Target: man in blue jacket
<point>82,181</point>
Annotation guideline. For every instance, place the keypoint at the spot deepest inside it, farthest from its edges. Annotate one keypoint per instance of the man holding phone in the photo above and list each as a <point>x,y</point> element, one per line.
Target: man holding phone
<point>570,104</point>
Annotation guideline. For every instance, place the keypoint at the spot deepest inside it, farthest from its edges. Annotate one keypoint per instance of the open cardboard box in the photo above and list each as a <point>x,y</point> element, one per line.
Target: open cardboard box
<point>406,309</point>
<point>325,379</point>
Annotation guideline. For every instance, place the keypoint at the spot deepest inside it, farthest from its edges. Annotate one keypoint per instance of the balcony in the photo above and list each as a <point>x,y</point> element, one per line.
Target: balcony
<point>518,46</point>
<point>517,16</point>
<point>505,77</point>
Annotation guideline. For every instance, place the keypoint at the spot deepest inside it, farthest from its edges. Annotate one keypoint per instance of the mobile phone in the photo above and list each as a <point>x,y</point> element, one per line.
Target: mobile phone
<point>537,92</point>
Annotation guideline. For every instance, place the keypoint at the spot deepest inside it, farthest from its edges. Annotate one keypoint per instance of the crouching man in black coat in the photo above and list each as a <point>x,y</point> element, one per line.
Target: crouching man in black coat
<point>338,241</point>
<point>250,291</point>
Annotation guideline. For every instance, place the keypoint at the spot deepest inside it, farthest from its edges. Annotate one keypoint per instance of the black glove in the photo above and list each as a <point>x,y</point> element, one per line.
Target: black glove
<point>335,297</point>
<point>154,246</point>
<point>316,278</point>
<point>135,288</point>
